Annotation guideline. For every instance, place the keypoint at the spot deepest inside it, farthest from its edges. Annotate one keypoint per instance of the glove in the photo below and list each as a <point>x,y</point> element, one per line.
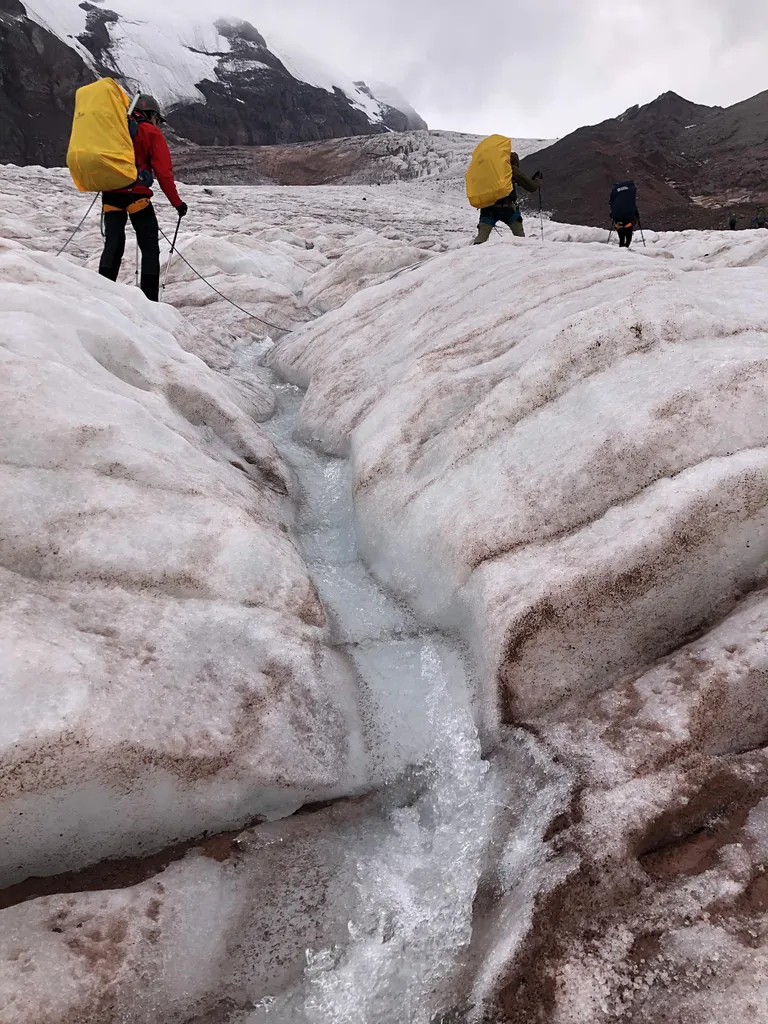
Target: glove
<point>538,175</point>
<point>182,210</point>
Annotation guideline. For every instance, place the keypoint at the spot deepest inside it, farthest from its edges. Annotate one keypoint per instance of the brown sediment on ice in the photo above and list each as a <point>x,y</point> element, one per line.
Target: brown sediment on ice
<point>122,872</point>
<point>573,924</point>
<point>666,919</point>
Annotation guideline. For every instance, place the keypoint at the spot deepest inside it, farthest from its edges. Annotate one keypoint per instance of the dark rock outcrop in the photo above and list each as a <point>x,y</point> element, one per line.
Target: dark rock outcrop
<point>38,77</point>
<point>96,38</point>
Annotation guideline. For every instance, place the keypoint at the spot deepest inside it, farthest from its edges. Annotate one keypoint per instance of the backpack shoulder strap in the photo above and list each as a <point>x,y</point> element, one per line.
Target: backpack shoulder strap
<point>145,176</point>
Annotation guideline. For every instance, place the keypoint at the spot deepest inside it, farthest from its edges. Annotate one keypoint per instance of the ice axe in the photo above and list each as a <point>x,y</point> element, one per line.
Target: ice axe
<point>170,254</point>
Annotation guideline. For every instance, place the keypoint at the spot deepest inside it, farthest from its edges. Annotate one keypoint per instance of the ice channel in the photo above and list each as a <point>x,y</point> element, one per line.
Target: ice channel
<point>433,890</point>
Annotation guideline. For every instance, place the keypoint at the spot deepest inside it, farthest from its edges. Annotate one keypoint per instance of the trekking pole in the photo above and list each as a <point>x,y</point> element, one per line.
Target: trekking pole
<point>538,176</point>
<point>137,261</point>
<point>640,225</point>
<point>609,235</point>
<point>541,214</point>
<point>170,254</point>
<point>61,250</point>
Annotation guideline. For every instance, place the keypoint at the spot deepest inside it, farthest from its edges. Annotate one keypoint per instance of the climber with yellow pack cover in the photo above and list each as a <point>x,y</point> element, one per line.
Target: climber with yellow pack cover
<point>491,179</point>
<point>117,148</point>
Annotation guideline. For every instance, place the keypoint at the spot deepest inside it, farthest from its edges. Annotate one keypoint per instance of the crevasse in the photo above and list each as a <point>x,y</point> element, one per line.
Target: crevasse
<point>449,818</point>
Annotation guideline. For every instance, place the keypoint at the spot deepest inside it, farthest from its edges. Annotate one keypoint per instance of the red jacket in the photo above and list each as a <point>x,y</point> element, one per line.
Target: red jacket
<point>152,154</point>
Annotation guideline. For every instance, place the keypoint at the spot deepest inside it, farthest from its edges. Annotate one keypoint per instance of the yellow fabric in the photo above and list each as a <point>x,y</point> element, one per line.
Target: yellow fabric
<point>100,155</point>
<point>489,177</point>
<point>137,207</point>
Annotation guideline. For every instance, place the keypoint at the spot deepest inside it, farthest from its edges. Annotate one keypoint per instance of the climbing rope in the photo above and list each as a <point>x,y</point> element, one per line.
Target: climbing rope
<point>275,327</point>
<point>266,323</point>
<point>61,250</point>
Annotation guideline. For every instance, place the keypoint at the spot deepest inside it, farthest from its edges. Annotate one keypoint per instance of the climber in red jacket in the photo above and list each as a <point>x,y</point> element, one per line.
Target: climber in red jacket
<point>153,160</point>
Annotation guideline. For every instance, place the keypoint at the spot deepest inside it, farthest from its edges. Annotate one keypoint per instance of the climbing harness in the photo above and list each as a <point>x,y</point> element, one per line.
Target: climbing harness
<point>616,224</point>
<point>61,250</point>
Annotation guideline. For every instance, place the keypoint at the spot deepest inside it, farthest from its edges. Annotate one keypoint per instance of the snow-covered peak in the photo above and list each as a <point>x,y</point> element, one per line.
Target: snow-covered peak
<point>167,57</point>
<point>171,55</point>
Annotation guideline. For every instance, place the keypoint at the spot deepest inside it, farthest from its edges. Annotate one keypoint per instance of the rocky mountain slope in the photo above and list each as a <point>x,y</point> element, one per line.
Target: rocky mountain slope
<point>692,163</point>
<point>222,83</point>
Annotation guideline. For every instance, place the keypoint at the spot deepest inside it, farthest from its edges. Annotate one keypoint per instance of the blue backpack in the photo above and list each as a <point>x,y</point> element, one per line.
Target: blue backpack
<point>624,201</point>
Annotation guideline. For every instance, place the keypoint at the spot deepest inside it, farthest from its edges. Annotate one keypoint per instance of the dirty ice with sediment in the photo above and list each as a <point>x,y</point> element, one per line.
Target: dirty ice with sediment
<point>406,666</point>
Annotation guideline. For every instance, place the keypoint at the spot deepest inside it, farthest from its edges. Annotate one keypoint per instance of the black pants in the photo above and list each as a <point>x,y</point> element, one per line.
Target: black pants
<point>625,237</point>
<point>145,225</point>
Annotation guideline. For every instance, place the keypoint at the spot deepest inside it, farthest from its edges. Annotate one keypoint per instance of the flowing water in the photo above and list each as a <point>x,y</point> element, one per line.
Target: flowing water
<point>428,895</point>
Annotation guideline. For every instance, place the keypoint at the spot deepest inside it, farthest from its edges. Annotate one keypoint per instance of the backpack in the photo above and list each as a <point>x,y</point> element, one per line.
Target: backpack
<point>624,201</point>
<point>100,156</point>
<point>489,177</point>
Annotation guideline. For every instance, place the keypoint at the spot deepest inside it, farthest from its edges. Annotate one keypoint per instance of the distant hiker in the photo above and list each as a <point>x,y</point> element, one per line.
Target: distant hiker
<point>733,221</point>
<point>153,159</point>
<point>491,180</point>
<point>624,213</point>
<point>759,221</point>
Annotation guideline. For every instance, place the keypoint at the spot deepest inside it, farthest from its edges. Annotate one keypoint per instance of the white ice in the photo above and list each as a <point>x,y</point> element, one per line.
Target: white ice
<point>551,432</point>
<point>143,523</point>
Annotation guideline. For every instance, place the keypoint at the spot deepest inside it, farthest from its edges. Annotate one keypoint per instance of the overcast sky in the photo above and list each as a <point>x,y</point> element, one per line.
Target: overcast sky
<point>539,68</point>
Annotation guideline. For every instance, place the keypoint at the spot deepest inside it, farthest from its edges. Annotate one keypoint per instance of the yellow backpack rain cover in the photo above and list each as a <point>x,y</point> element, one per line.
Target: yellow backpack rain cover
<point>489,177</point>
<point>100,157</point>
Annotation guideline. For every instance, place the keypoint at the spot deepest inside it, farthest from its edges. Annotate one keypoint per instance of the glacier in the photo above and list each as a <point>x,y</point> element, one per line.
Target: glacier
<point>398,655</point>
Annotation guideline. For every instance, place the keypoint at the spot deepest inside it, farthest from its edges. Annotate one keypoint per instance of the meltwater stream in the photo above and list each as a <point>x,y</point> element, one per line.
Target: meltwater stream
<point>427,893</point>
